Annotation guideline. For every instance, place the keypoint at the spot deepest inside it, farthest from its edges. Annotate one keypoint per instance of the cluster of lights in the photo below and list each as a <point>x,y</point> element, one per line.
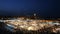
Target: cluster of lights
<point>29,24</point>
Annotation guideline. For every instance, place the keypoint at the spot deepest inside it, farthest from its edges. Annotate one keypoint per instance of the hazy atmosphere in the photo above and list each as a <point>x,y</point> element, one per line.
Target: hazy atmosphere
<point>44,8</point>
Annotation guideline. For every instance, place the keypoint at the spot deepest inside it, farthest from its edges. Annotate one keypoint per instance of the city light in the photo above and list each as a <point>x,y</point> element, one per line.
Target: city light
<point>31,24</point>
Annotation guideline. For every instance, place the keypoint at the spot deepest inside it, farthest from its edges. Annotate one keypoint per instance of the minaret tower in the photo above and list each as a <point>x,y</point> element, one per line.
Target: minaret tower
<point>35,15</point>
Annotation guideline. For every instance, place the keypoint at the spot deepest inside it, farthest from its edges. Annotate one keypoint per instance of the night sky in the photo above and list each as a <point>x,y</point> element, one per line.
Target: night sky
<point>44,8</point>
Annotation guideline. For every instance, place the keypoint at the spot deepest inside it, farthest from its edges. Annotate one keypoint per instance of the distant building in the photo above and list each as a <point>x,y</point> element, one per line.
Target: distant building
<point>35,15</point>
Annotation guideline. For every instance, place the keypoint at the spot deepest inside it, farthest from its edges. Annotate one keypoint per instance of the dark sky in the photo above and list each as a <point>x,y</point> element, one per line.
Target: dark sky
<point>28,7</point>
